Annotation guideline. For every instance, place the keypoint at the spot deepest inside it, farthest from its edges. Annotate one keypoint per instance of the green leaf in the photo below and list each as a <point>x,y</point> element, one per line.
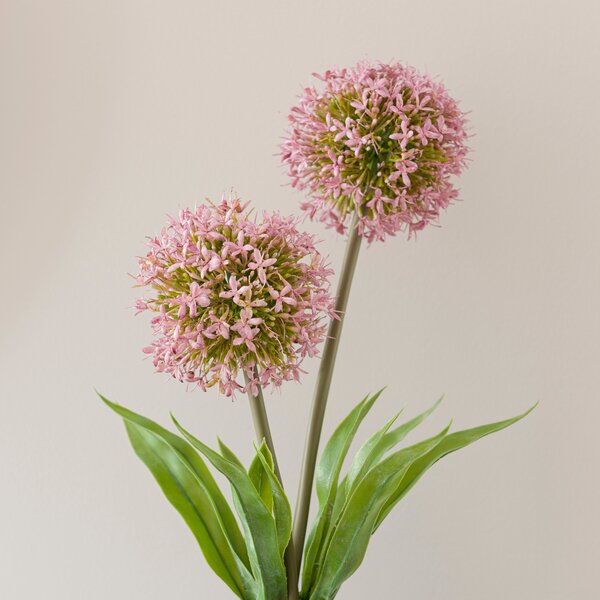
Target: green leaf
<point>453,442</point>
<point>262,475</point>
<point>366,456</point>
<point>259,477</point>
<point>384,440</point>
<point>354,528</point>
<point>371,453</point>
<point>228,454</point>
<point>191,489</point>
<point>327,476</point>
<point>340,499</point>
<point>257,521</point>
<point>281,505</point>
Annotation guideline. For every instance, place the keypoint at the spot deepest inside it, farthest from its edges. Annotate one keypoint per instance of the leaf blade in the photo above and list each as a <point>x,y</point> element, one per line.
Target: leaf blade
<point>365,455</point>
<point>259,477</point>
<point>453,442</point>
<point>186,483</point>
<point>257,521</point>
<point>352,533</point>
<point>282,510</point>
<point>383,442</point>
<point>327,477</point>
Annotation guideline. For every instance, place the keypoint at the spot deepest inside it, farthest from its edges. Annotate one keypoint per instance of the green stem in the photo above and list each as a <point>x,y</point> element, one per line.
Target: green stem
<point>263,431</point>
<point>322,391</point>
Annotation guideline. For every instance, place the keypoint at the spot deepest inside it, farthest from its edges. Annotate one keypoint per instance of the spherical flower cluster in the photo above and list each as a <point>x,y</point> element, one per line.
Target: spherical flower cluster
<point>379,140</point>
<point>233,296</point>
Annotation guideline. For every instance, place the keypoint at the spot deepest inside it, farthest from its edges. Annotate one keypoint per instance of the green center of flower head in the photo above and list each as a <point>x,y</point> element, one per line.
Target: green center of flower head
<point>379,151</point>
<point>234,295</point>
<point>246,293</point>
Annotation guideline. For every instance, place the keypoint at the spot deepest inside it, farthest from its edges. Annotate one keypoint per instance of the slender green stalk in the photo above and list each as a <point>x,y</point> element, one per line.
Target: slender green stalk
<point>263,431</point>
<point>322,392</point>
<point>261,423</point>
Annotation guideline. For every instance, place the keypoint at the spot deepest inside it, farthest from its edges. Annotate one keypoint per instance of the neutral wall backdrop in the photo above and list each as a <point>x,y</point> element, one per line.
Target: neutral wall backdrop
<point>113,114</point>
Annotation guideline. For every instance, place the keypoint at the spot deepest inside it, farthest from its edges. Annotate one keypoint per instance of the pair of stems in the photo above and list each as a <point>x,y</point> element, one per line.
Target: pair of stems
<point>293,555</point>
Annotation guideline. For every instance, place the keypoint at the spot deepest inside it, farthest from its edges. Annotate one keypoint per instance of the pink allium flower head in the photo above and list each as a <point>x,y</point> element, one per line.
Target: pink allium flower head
<point>234,295</point>
<point>380,140</point>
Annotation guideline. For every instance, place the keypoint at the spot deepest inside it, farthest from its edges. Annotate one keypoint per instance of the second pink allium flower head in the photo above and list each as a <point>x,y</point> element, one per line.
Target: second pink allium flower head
<point>234,296</point>
<point>381,141</point>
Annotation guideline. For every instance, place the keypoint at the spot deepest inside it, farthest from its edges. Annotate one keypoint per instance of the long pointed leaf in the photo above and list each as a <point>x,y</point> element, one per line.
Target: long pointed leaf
<point>281,505</point>
<point>365,457</point>
<point>340,499</point>
<point>228,453</point>
<point>353,531</point>
<point>328,472</point>
<point>191,489</point>
<point>259,477</point>
<point>372,452</point>
<point>453,442</point>
<point>259,524</point>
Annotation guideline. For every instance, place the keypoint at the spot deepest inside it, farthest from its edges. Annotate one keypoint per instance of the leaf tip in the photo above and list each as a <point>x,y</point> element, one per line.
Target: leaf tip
<point>176,422</point>
<point>530,409</point>
<point>112,405</point>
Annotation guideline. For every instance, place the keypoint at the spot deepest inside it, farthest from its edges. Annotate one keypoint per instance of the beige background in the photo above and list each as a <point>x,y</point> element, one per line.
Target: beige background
<point>113,114</point>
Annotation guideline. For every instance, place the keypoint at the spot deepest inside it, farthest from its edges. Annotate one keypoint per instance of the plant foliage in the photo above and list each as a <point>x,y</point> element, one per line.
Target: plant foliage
<point>247,552</point>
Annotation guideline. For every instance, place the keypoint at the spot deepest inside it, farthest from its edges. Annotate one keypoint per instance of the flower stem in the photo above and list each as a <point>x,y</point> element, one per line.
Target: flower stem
<point>261,423</point>
<point>322,391</point>
<point>263,431</point>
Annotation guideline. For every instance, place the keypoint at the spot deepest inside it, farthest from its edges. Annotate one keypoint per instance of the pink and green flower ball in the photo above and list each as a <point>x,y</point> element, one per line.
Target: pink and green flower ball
<point>382,141</point>
<point>236,301</point>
